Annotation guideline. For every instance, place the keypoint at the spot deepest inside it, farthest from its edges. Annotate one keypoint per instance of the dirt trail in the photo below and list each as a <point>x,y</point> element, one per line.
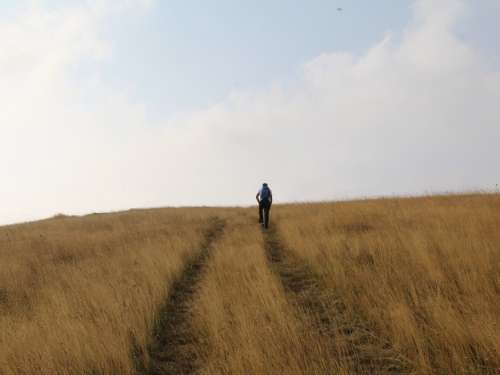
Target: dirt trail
<point>349,338</point>
<point>172,351</point>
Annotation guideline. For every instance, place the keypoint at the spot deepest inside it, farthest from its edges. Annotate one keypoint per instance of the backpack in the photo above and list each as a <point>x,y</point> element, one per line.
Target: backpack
<point>266,192</point>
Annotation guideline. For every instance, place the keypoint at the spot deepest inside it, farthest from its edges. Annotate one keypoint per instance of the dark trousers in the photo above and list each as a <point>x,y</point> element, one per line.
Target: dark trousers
<point>264,205</point>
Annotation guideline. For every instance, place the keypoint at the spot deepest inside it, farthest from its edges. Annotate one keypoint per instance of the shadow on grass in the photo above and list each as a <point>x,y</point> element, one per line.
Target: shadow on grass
<point>172,350</point>
<point>345,330</point>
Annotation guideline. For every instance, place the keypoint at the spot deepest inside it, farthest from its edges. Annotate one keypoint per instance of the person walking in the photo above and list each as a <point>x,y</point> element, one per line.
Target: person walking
<point>265,199</point>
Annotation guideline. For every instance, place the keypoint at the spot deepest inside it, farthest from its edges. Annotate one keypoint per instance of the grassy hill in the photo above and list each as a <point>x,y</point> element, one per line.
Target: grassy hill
<point>400,285</point>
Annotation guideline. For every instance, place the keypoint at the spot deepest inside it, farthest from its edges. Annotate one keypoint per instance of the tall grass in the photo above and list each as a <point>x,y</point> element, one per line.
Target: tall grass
<point>417,278</point>
<point>421,273</point>
<point>243,320</point>
<point>78,294</point>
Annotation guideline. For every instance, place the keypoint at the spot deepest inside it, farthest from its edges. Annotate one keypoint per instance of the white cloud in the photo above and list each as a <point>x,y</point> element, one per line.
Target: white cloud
<point>416,112</point>
<point>56,127</point>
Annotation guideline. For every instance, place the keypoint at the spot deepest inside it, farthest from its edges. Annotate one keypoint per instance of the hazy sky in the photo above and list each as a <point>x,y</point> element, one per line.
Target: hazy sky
<point>109,105</point>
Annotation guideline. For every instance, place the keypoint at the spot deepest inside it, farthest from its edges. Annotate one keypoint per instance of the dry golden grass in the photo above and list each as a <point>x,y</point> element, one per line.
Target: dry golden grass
<point>371,286</point>
<point>77,294</point>
<point>242,318</point>
<point>420,274</point>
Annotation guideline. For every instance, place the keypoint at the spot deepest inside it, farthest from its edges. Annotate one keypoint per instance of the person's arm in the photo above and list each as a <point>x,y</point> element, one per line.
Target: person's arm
<point>270,200</point>
<point>257,197</point>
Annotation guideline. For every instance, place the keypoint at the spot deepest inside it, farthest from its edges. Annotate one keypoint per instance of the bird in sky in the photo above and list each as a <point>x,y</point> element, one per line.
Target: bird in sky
<point>339,9</point>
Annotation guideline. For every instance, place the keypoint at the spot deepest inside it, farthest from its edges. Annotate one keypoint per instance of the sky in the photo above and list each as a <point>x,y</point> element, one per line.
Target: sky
<point>108,105</point>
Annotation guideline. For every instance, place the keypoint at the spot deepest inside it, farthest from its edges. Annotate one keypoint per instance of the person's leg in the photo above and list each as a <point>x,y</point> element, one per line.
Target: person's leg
<point>261,207</point>
<point>266,211</point>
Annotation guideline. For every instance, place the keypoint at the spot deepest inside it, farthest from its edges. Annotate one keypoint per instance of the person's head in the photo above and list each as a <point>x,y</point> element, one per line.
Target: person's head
<point>264,184</point>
